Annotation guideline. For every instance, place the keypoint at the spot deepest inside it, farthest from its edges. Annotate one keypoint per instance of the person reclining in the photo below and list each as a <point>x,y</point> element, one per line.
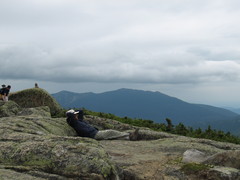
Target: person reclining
<point>84,129</point>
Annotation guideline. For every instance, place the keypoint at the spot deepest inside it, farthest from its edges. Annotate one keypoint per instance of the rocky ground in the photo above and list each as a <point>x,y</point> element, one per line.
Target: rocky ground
<point>33,145</point>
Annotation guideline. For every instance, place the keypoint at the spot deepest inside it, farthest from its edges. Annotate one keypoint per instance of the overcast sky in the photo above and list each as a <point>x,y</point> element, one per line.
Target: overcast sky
<point>188,49</point>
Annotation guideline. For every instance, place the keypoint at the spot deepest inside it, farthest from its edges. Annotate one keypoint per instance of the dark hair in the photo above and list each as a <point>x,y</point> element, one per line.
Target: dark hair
<point>9,86</point>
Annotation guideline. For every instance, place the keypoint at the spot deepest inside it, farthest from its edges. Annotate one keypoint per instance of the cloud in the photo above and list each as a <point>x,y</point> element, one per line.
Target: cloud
<point>80,66</point>
<point>120,41</point>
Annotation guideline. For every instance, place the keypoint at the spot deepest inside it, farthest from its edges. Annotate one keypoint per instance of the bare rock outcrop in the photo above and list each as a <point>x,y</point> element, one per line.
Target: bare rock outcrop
<point>35,97</point>
<point>34,145</point>
<point>8,109</point>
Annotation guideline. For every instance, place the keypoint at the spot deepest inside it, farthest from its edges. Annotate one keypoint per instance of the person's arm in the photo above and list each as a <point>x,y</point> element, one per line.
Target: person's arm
<point>80,115</point>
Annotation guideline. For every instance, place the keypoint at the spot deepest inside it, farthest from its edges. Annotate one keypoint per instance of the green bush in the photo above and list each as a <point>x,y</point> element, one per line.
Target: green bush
<point>193,168</point>
<point>179,129</point>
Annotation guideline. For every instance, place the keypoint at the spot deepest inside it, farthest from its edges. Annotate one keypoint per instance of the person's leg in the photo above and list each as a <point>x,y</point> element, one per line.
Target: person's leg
<point>4,98</point>
<point>111,134</point>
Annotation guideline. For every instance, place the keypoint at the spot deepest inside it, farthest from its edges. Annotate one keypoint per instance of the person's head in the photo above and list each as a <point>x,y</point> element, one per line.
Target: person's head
<point>3,86</point>
<point>9,87</point>
<point>76,114</point>
<point>71,113</point>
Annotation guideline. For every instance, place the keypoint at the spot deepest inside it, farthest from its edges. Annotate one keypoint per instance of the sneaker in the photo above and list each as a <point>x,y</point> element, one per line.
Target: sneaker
<point>133,136</point>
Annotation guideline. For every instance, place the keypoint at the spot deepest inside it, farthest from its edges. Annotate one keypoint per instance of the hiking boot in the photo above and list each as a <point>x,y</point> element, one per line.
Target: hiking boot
<point>133,136</point>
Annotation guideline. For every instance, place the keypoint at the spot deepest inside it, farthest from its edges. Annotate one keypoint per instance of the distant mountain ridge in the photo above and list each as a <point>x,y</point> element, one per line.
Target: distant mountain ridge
<point>236,110</point>
<point>150,105</point>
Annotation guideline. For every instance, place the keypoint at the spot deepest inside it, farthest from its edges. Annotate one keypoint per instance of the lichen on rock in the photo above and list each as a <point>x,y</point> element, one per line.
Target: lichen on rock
<point>34,145</point>
<point>36,97</point>
<point>31,140</point>
<point>9,108</point>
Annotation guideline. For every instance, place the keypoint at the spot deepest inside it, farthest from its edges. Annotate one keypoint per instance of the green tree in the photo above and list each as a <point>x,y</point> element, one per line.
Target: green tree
<point>169,125</point>
<point>181,129</point>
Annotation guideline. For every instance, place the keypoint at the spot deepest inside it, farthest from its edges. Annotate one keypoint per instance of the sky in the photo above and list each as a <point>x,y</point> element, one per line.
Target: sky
<point>188,49</point>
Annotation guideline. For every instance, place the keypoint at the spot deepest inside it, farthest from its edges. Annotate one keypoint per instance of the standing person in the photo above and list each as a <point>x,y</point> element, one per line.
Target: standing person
<point>83,129</point>
<point>6,93</point>
<point>36,85</point>
<point>2,91</point>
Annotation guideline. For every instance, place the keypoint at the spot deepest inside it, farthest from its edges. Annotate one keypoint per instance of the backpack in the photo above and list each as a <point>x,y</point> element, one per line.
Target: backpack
<point>2,91</point>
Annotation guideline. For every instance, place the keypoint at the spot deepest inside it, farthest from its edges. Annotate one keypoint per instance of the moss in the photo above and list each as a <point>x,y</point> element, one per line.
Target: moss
<point>109,126</point>
<point>175,161</point>
<point>6,160</point>
<point>192,168</point>
<point>104,165</point>
<point>18,168</point>
<point>9,108</point>
<point>106,171</point>
<point>6,149</point>
<point>71,168</point>
<point>44,163</point>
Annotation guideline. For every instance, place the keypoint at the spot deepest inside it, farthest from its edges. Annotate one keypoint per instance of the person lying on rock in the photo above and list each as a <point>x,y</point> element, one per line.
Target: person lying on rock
<point>84,129</point>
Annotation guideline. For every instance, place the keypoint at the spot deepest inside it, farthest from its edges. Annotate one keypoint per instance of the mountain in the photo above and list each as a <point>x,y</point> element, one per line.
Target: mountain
<point>236,110</point>
<point>150,105</point>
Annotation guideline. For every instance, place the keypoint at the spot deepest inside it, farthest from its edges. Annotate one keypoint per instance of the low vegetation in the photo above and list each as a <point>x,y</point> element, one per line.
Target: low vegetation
<point>192,168</point>
<point>179,129</point>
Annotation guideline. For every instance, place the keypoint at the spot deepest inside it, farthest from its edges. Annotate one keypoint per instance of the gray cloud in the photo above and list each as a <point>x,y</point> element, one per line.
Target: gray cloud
<point>102,66</point>
<point>134,42</point>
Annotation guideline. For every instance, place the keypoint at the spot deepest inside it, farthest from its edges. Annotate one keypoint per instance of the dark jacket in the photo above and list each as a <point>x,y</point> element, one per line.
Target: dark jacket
<point>6,91</point>
<point>82,128</point>
<point>2,90</point>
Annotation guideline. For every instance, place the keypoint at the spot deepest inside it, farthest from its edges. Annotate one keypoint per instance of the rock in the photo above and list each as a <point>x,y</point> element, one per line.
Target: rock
<point>9,108</point>
<point>202,172</point>
<point>224,173</point>
<point>37,142</point>
<point>226,159</point>
<point>159,159</point>
<point>67,157</point>
<point>193,156</point>
<point>36,97</point>
<point>33,145</point>
<point>13,175</point>
<point>42,111</point>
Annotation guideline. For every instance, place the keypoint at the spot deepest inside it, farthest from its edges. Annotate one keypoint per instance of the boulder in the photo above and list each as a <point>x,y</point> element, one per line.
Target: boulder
<point>193,156</point>
<point>227,173</point>
<point>9,108</point>
<point>33,141</point>
<point>36,97</point>
<point>226,159</point>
